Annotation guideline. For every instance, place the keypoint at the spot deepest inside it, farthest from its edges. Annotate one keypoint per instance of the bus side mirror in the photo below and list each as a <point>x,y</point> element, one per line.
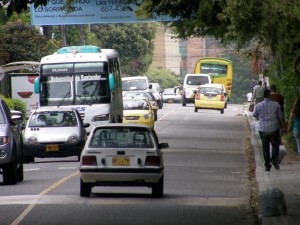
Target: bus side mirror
<point>112,83</point>
<point>36,85</point>
<point>150,86</point>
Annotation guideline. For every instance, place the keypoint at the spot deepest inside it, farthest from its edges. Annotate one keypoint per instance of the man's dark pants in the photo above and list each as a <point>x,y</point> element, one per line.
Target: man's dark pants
<point>272,138</point>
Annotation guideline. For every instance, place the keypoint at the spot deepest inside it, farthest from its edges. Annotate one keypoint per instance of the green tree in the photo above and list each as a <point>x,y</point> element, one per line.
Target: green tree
<point>134,43</point>
<point>165,78</point>
<point>23,42</point>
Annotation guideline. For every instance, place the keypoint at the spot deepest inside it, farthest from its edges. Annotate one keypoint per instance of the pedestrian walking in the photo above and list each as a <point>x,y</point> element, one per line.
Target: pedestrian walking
<point>277,97</point>
<point>294,123</point>
<point>270,119</point>
<point>258,93</point>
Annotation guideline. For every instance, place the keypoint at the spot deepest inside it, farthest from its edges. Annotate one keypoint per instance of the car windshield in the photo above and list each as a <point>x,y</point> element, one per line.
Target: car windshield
<point>53,119</point>
<point>135,104</point>
<point>129,137</point>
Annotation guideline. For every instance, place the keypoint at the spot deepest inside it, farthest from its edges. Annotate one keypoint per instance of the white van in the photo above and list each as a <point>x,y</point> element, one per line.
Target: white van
<point>191,84</point>
<point>135,83</point>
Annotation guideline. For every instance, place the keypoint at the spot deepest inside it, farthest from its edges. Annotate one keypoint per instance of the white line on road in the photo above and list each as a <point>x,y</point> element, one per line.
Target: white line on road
<point>68,168</point>
<point>32,169</point>
<point>40,196</point>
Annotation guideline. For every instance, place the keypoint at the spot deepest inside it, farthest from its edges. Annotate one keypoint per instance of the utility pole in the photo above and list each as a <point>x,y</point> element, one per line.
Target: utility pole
<point>63,35</point>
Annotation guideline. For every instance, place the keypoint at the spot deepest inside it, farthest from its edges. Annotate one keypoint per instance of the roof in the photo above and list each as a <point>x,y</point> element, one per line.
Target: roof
<point>54,109</point>
<point>122,125</point>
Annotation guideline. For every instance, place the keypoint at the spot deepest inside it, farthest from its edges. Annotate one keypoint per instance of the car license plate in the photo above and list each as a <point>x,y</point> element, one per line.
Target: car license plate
<point>170,100</point>
<point>52,148</point>
<point>121,161</point>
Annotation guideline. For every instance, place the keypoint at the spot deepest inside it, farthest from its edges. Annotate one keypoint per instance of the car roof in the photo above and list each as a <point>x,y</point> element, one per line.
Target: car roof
<point>108,125</point>
<point>134,78</point>
<point>212,85</point>
<point>54,109</point>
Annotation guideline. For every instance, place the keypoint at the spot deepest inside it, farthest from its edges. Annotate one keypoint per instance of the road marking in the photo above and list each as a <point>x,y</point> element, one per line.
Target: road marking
<point>32,169</point>
<point>96,196</point>
<point>40,196</point>
<point>67,168</point>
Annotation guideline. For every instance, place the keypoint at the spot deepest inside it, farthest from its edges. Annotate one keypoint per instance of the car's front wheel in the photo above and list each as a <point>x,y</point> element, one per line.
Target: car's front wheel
<point>10,175</point>
<point>183,101</point>
<point>158,189</point>
<point>160,104</point>
<point>85,189</point>
<point>20,172</point>
<point>155,114</point>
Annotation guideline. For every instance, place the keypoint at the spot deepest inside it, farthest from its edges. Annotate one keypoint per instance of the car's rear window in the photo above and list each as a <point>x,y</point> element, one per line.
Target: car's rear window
<point>197,80</point>
<point>121,138</point>
<point>138,104</point>
<point>210,90</point>
<point>53,119</point>
<point>2,119</point>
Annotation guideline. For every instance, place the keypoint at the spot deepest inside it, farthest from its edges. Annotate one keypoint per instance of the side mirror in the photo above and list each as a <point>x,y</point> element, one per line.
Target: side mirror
<point>163,145</point>
<point>16,116</point>
<point>150,86</point>
<point>112,83</point>
<point>85,125</point>
<point>36,85</point>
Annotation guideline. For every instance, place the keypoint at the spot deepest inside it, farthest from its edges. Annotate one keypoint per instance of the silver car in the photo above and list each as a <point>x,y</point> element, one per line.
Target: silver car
<point>11,160</point>
<point>122,154</point>
<point>54,132</point>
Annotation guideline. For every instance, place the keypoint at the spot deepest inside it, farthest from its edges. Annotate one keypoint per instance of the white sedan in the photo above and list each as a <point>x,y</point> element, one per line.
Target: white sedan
<point>122,154</point>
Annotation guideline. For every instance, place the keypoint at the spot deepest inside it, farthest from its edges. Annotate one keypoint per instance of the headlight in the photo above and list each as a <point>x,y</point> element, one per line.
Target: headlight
<point>147,116</point>
<point>32,140</point>
<point>3,140</point>
<point>72,140</point>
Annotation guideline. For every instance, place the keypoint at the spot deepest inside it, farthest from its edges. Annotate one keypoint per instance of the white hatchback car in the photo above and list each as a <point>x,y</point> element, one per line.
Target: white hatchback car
<point>54,132</point>
<point>122,154</point>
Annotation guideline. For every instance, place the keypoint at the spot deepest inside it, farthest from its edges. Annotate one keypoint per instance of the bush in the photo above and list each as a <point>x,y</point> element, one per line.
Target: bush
<point>19,105</point>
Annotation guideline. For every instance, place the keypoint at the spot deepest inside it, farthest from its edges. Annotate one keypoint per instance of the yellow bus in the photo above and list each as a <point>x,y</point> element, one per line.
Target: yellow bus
<point>219,69</point>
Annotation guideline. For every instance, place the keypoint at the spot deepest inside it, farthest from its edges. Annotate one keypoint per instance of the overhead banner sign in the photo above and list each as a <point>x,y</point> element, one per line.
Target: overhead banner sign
<point>88,12</point>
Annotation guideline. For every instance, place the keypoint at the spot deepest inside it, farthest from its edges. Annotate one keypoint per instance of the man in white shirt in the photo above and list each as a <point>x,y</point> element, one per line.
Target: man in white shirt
<point>258,93</point>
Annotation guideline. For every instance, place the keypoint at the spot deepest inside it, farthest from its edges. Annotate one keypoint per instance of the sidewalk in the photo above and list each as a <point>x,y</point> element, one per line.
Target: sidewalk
<point>278,190</point>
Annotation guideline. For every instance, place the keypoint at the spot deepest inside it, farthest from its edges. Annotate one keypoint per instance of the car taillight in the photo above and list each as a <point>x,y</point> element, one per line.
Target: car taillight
<point>197,97</point>
<point>152,161</point>
<point>222,98</point>
<point>89,160</point>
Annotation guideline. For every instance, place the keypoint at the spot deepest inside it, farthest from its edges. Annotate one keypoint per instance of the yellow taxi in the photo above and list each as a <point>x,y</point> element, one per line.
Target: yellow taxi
<point>210,96</point>
<point>138,110</point>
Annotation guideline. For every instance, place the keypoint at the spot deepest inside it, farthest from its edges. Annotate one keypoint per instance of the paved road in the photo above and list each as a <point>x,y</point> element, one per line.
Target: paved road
<point>205,180</point>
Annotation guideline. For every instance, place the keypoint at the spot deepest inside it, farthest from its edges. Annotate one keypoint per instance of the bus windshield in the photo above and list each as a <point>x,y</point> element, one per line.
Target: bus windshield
<point>213,68</point>
<point>84,89</point>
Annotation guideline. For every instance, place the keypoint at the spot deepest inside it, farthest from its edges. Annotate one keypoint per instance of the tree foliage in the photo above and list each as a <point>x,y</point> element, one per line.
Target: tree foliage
<point>134,43</point>
<point>165,78</point>
<point>23,42</point>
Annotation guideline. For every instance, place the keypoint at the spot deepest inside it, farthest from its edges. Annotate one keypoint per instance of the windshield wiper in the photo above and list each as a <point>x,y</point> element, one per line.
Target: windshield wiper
<point>67,95</point>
